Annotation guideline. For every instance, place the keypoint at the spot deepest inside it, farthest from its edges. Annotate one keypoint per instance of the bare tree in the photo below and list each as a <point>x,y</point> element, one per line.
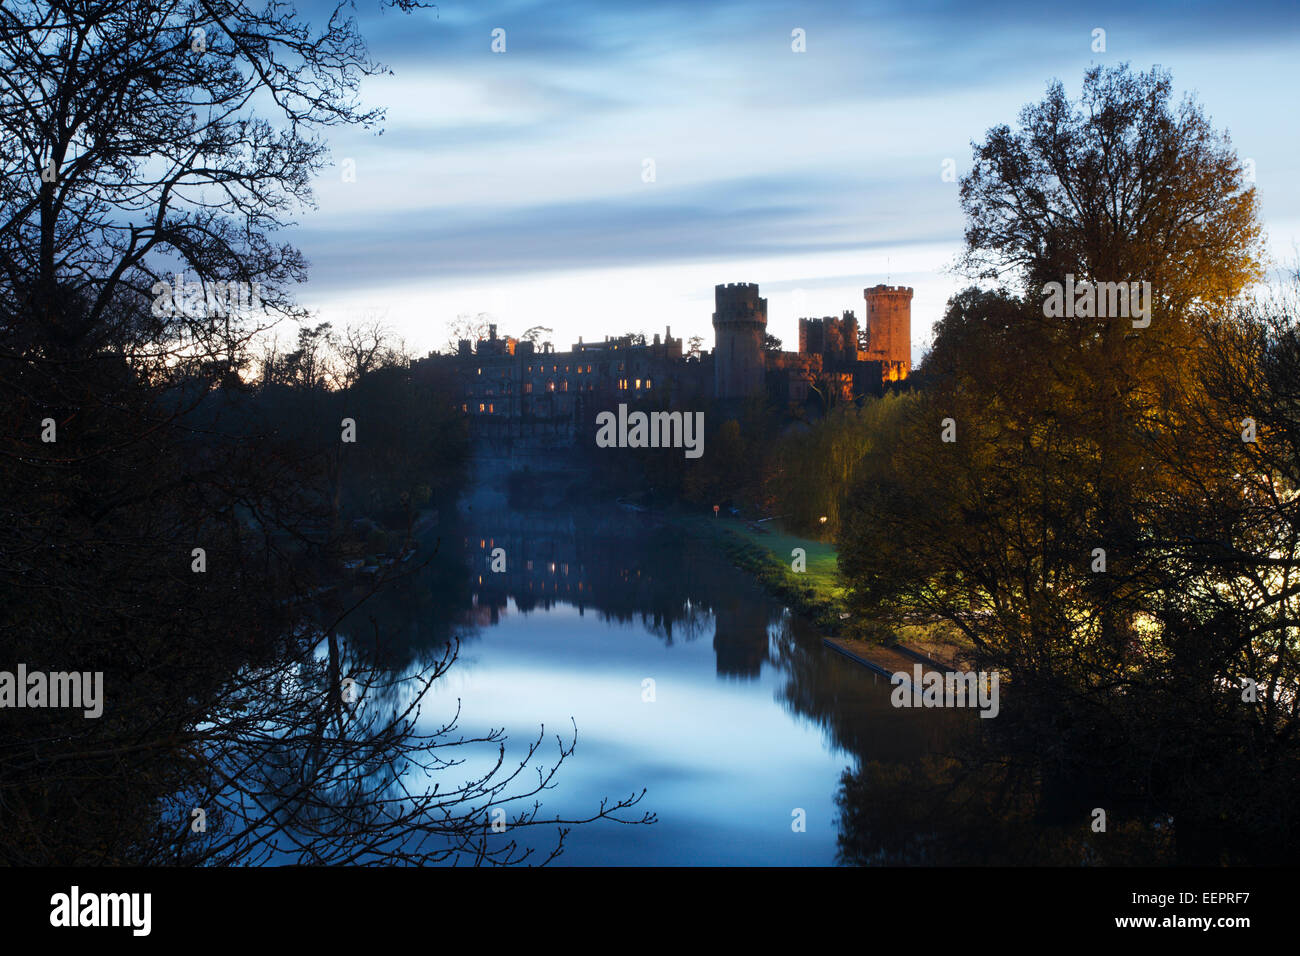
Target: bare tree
<point>469,327</point>
<point>175,535</point>
<point>536,333</point>
<point>366,346</point>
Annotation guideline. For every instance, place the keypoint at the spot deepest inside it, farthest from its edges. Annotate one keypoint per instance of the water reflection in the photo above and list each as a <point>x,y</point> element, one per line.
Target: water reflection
<point>751,722</point>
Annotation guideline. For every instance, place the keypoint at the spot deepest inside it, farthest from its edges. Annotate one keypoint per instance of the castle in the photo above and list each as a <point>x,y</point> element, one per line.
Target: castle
<point>513,388</point>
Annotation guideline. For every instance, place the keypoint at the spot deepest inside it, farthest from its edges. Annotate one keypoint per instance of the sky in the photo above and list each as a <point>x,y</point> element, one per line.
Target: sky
<point>518,183</point>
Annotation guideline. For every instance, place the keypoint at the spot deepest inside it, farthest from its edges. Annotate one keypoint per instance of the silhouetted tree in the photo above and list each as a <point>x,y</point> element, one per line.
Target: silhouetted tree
<point>165,521</point>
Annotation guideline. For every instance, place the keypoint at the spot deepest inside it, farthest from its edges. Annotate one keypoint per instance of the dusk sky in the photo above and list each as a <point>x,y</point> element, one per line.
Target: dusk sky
<point>512,183</point>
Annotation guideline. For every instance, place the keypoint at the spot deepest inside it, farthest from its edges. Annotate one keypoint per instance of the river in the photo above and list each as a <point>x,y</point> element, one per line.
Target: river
<point>680,675</point>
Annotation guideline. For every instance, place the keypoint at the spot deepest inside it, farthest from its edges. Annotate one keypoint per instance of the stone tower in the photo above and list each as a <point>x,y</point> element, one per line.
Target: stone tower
<point>889,329</point>
<point>739,327</point>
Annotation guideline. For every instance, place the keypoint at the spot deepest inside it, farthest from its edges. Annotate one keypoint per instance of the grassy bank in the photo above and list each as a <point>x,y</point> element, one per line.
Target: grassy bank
<point>814,592</point>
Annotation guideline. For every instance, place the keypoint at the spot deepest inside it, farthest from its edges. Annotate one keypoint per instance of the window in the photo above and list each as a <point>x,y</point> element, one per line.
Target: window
<point>647,383</point>
<point>638,384</point>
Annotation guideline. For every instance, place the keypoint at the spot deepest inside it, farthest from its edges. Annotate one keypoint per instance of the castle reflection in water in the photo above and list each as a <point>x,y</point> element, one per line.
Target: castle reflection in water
<point>561,559</point>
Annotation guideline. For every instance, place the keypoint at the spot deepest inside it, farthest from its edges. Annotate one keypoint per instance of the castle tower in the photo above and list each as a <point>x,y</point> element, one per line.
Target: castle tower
<point>889,329</point>
<point>739,326</point>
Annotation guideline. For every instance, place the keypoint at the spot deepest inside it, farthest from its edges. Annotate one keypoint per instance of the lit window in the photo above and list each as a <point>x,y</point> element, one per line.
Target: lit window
<point>647,383</point>
<point>480,371</point>
<point>481,406</point>
<point>638,383</point>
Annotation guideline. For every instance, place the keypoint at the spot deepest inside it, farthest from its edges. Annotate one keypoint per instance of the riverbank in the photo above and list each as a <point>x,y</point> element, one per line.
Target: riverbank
<point>815,592</point>
<point>769,554</point>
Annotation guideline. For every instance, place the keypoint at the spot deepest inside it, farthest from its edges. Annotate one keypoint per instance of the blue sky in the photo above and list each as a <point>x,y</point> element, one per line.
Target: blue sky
<point>512,183</point>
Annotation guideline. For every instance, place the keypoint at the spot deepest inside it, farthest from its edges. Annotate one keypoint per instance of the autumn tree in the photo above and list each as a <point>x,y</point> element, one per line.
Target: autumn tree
<point>1069,490</point>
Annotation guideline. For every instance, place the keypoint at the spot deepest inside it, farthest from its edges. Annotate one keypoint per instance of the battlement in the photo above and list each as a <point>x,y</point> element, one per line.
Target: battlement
<point>739,301</point>
<point>897,290</point>
<point>830,337</point>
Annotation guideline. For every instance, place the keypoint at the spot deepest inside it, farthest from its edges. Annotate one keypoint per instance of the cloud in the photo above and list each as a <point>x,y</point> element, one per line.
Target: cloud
<point>516,165</point>
<point>736,218</point>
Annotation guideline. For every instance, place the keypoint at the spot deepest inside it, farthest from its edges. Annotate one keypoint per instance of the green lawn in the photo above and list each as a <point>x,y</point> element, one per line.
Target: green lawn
<point>817,591</point>
<point>822,561</point>
<point>766,555</point>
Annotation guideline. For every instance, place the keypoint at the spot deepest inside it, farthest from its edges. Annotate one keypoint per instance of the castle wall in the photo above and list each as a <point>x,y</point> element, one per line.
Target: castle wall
<point>512,390</point>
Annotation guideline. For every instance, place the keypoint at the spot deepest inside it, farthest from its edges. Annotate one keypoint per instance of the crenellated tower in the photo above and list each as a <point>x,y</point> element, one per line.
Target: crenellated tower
<point>889,329</point>
<point>739,328</point>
